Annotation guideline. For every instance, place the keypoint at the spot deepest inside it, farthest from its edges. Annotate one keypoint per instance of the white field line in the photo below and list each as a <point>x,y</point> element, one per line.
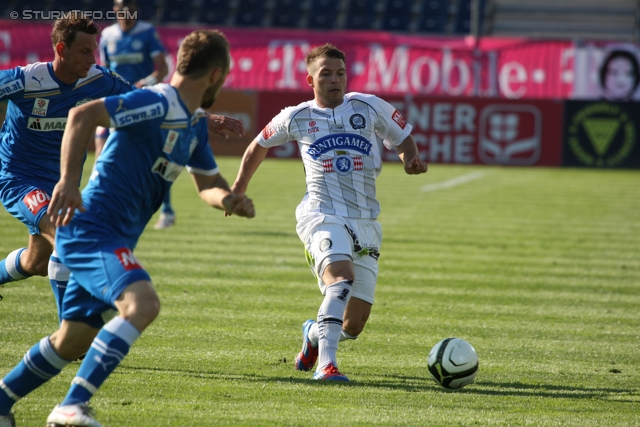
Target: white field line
<point>453,182</point>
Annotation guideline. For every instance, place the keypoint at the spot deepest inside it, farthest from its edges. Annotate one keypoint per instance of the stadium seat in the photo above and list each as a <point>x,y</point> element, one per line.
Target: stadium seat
<point>463,16</point>
<point>215,12</point>
<point>250,13</point>
<point>360,15</point>
<point>66,5</point>
<point>286,13</point>
<point>177,11</point>
<point>323,14</point>
<point>434,16</point>
<point>397,15</point>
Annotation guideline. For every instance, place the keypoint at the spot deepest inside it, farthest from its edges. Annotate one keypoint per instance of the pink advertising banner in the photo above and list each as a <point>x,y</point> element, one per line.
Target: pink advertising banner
<point>378,62</point>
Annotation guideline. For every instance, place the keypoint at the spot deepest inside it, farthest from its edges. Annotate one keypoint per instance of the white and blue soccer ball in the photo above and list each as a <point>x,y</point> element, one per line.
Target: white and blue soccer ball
<point>453,363</point>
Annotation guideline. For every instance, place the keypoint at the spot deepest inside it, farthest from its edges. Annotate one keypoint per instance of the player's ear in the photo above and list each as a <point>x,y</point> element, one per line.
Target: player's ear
<point>59,48</point>
<point>310,80</point>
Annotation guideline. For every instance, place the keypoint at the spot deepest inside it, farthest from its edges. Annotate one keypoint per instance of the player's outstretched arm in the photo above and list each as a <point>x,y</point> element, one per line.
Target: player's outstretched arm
<point>251,160</point>
<point>214,190</point>
<point>408,152</point>
<point>224,126</point>
<point>80,128</point>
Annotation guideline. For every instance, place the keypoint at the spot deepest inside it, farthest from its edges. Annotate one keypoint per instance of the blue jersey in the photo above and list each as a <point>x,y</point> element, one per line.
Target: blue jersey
<point>155,138</point>
<point>37,114</point>
<point>130,53</point>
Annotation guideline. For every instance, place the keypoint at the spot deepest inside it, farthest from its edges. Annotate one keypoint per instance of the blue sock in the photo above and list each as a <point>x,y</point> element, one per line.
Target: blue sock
<point>166,203</point>
<point>10,270</point>
<point>39,365</point>
<point>58,277</point>
<point>108,349</point>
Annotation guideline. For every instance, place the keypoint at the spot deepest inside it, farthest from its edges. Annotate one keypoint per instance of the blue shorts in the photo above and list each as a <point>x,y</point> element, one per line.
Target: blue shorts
<point>101,269</point>
<point>26,199</point>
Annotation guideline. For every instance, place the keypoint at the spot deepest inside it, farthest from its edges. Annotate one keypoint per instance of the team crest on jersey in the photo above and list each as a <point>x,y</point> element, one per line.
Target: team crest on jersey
<point>170,141</point>
<point>343,164</point>
<point>344,141</point>
<point>357,121</point>
<point>40,107</point>
<point>137,44</point>
<point>127,259</point>
<point>168,170</point>
<point>83,101</point>
<point>36,200</point>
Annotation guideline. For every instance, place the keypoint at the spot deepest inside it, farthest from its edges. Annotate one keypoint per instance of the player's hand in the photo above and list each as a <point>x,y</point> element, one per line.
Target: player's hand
<point>224,126</point>
<point>415,166</point>
<point>238,204</point>
<point>66,198</point>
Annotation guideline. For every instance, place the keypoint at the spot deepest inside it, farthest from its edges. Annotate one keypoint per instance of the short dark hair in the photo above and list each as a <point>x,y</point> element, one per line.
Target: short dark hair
<point>125,4</point>
<point>65,29</point>
<point>201,51</point>
<point>326,50</point>
<point>614,54</point>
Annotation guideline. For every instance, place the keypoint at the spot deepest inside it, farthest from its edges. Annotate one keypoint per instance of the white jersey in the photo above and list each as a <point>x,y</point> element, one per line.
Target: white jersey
<point>340,151</point>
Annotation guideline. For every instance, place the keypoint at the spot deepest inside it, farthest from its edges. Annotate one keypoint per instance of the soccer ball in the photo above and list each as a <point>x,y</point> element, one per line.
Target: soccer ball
<point>453,363</point>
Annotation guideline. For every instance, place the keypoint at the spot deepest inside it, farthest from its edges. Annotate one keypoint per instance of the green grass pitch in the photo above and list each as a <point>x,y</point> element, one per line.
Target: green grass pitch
<point>538,268</point>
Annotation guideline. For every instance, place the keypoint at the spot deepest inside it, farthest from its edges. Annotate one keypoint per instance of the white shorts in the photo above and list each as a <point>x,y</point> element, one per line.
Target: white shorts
<point>329,238</point>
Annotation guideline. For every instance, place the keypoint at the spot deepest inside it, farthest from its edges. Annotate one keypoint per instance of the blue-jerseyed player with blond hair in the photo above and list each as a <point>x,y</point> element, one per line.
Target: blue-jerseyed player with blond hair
<point>159,131</point>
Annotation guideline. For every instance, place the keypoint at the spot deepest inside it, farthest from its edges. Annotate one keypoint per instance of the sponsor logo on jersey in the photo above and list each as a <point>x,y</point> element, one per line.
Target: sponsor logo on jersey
<point>397,117</point>
<point>127,58</point>
<point>46,125</point>
<point>127,259</point>
<point>168,170</point>
<point>139,114</point>
<point>39,80</point>
<point>36,200</point>
<point>268,131</point>
<point>83,101</point>
<point>357,121</point>
<point>344,141</point>
<point>510,134</point>
<point>11,87</point>
<point>333,128</point>
<point>313,130</point>
<point>321,113</point>
<point>40,107</point>
<point>170,141</point>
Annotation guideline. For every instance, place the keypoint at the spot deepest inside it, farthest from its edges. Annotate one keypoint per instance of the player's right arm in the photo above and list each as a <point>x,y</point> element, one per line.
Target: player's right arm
<point>251,160</point>
<point>80,127</point>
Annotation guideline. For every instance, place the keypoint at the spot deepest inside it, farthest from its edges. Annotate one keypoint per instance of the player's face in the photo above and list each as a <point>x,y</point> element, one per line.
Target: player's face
<point>212,92</point>
<point>78,58</point>
<point>328,77</point>
<point>619,80</point>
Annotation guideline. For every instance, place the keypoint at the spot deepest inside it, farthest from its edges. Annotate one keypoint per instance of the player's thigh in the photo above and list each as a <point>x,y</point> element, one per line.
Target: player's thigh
<point>26,200</point>
<point>368,239</point>
<point>101,266</point>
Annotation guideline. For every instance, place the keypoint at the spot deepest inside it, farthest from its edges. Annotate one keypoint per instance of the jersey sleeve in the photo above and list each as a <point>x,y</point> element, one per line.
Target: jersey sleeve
<point>390,125</point>
<point>11,84</point>
<point>139,111</point>
<point>276,132</point>
<point>202,161</point>
<point>155,44</point>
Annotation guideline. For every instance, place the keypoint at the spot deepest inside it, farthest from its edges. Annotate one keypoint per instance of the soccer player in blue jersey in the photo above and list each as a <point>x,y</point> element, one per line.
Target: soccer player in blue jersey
<point>159,131</point>
<point>39,97</point>
<point>132,48</point>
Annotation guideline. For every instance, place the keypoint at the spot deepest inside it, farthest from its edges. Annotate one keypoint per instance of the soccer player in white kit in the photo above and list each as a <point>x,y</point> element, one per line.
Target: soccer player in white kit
<point>337,134</point>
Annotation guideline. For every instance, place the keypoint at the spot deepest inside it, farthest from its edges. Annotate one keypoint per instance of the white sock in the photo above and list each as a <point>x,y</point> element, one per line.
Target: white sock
<point>330,317</point>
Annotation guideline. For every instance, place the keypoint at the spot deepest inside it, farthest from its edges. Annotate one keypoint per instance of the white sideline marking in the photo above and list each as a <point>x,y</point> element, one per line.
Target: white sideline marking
<point>453,182</point>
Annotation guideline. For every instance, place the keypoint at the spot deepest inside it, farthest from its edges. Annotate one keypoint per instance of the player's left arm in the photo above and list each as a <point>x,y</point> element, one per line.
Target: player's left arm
<point>79,130</point>
<point>159,73</point>
<point>408,153</point>
<point>215,191</point>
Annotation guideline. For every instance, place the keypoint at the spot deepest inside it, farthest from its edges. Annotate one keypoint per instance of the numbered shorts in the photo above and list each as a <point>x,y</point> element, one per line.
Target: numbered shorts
<point>101,268</point>
<point>26,199</point>
<point>329,238</point>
